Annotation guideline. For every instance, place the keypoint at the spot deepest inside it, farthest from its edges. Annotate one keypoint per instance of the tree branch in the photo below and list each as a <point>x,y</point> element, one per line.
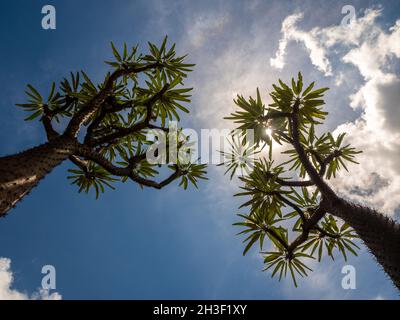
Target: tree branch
<point>122,132</point>
<point>157,185</point>
<point>308,183</point>
<point>291,183</point>
<point>87,153</point>
<point>95,123</point>
<point>307,226</point>
<point>79,162</point>
<point>93,105</point>
<point>312,172</point>
<point>291,204</point>
<point>48,127</point>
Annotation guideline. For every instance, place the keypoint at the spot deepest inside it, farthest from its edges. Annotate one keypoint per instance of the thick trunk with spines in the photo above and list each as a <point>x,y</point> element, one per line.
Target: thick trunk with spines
<point>379,233</point>
<point>20,173</point>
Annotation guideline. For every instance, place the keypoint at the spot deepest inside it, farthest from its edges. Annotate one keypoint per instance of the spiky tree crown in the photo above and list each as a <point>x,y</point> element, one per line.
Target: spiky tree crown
<point>281,206</point>
<point>142,92</point>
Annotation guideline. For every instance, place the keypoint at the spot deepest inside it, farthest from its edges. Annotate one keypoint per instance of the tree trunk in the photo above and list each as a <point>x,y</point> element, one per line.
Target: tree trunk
<point>20,173</point>
<point>379,233</point>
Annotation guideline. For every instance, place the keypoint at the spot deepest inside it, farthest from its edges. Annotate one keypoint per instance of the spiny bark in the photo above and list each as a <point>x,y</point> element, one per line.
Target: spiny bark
<point>20,173</point>
<point>379,233</point>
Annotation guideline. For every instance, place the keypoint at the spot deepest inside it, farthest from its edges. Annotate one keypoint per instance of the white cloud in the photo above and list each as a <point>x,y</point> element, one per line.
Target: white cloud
<point>377,180</point>
<point>318,40</point>
<point>292,33</point>
<point>7,293</point>
<point>365,45</point>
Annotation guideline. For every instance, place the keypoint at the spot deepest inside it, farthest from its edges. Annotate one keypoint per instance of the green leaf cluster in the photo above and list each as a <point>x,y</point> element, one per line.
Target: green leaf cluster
<point>154,77</point>
<point>280,199</point>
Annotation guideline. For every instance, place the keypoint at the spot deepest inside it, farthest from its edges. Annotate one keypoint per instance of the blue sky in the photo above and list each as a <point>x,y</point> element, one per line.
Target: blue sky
<point>175,244</point>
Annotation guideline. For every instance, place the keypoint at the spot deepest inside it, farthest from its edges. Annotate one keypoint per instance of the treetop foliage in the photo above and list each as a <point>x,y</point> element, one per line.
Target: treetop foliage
<point>142,92</point>
<point>284,204</point>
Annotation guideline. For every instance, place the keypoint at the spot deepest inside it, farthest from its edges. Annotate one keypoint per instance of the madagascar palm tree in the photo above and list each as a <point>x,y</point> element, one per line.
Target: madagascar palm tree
<point>277,198</point>
<point>105,126</point>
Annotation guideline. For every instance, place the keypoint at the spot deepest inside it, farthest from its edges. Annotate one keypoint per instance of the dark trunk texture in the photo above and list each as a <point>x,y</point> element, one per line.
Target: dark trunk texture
<point>21,172</point>
<point>379,233</point>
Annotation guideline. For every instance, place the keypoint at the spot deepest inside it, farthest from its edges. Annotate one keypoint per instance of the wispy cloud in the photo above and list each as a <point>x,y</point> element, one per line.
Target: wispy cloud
<point>292,33</point>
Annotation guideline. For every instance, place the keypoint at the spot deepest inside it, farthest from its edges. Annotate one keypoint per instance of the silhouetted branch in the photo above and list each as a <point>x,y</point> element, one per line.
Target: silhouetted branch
<point>93,105</point>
